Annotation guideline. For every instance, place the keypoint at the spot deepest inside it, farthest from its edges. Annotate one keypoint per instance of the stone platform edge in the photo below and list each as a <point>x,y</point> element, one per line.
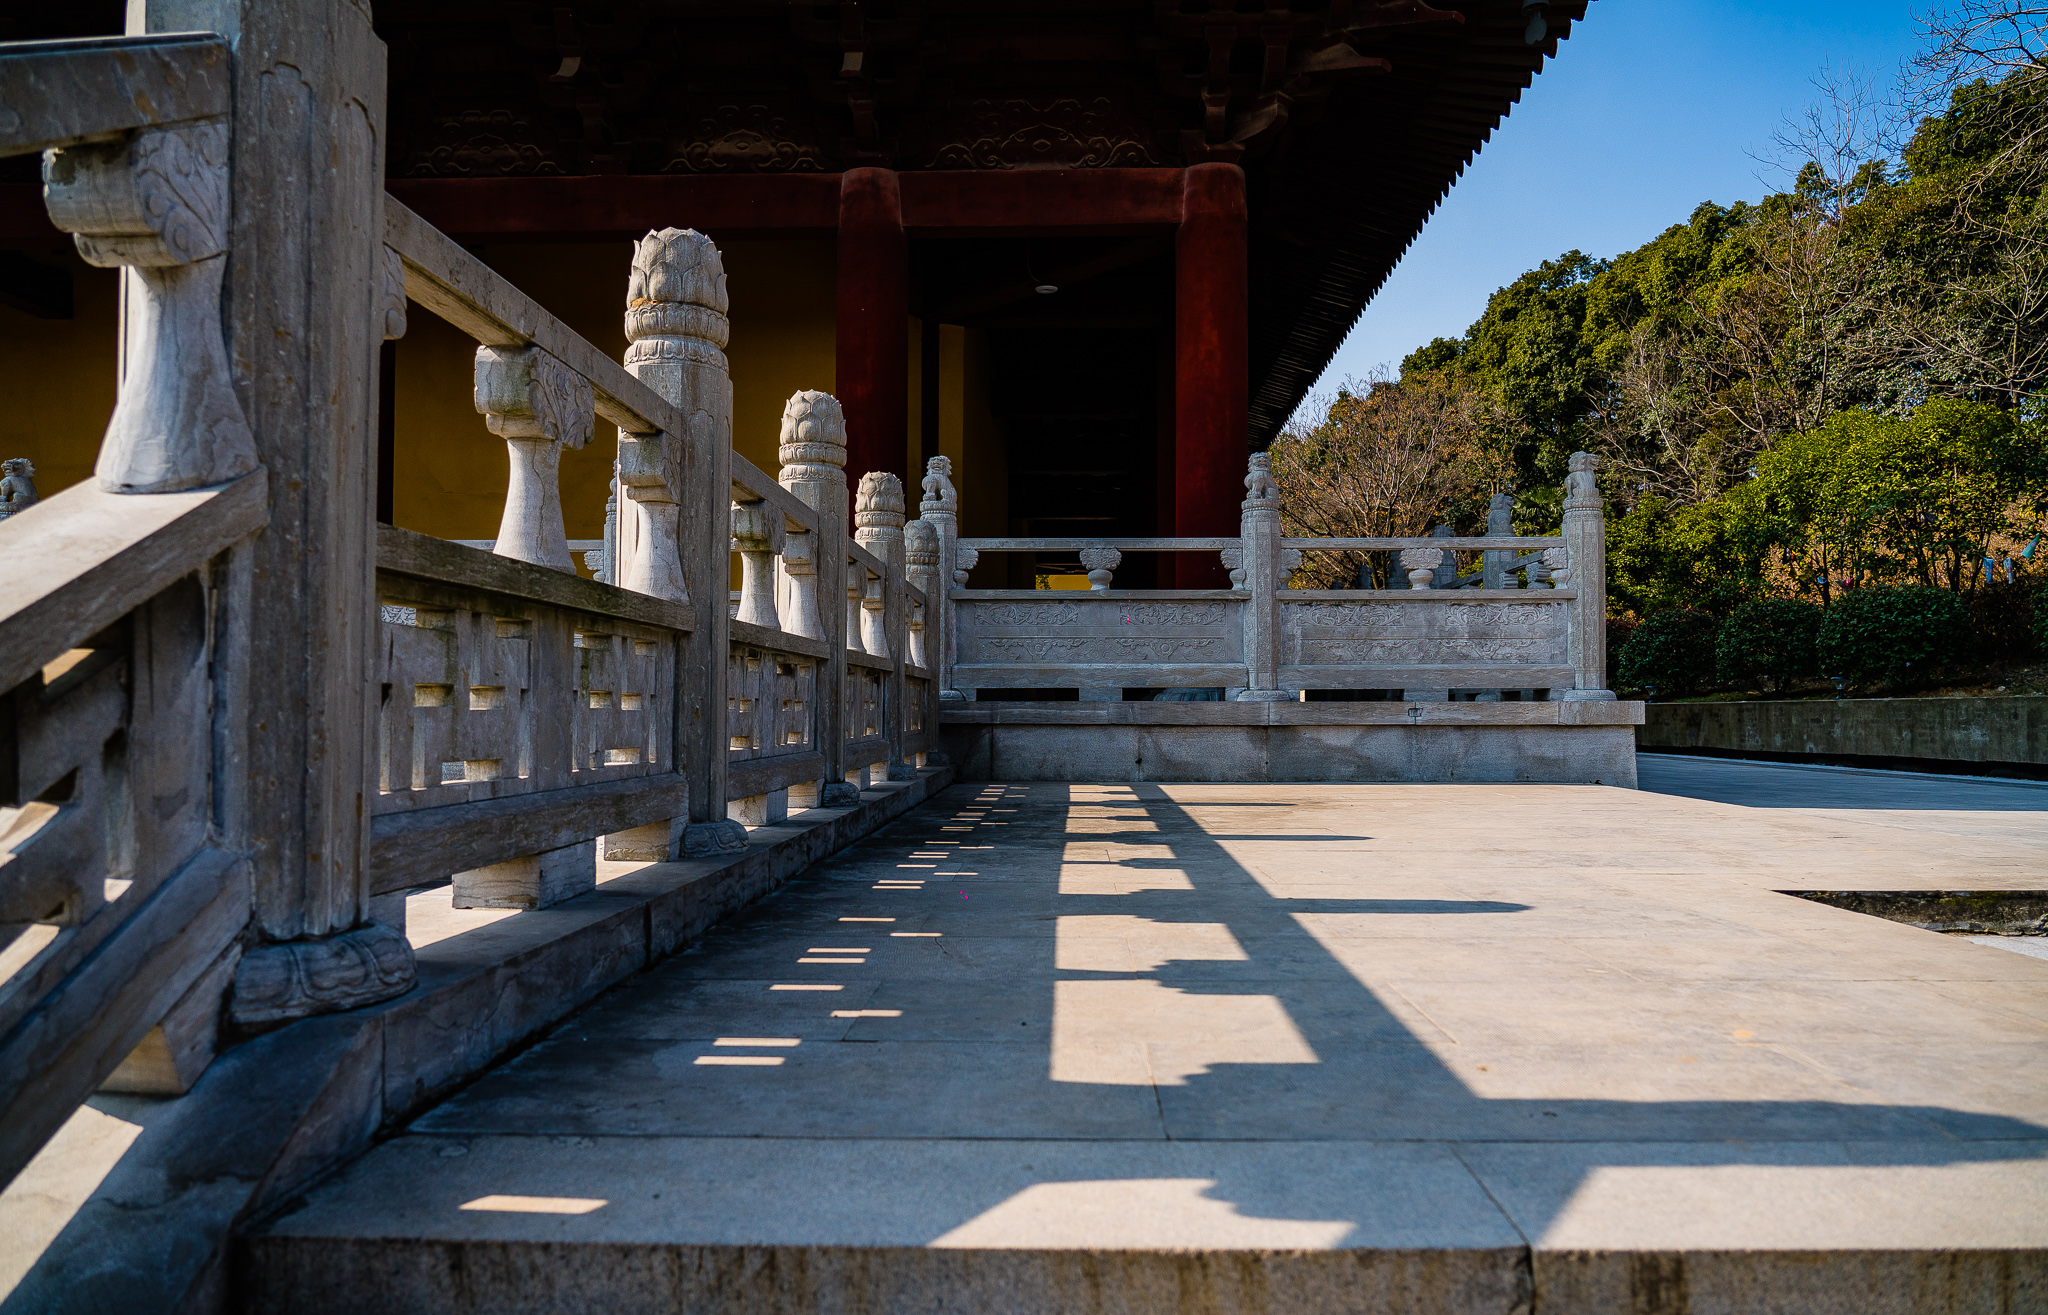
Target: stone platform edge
<point>277,1112</point>
<point>1360,743</point>
<point>1617,712</point>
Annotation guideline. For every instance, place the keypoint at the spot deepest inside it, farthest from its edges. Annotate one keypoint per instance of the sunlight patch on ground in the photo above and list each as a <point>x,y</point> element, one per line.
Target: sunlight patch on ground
<point>1131,1033</point>
<point>55,1185</point>
<point>1135,1212</point>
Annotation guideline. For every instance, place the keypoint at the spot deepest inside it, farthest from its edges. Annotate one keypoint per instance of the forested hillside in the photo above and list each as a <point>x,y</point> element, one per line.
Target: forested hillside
<point>1835,390</point>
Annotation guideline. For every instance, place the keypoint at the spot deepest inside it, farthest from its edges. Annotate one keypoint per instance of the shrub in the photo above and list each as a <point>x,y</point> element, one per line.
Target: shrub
<point>1892,635</point>
<point>1671,652</point>
<point>2004,619</point>
<point>1774,639</point>
<point>1618,632</point>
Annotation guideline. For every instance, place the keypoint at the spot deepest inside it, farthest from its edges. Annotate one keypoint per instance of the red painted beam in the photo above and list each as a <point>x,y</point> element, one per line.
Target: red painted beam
<point>625,205</point>
<point>1016,202</point>
<point>873,339</point>
<point>1211,388</point>
<point>966,203</point>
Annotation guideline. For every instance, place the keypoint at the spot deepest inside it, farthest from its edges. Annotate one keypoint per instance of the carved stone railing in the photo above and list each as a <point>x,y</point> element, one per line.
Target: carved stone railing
<point>1437,639</point>
<point>126,892</point>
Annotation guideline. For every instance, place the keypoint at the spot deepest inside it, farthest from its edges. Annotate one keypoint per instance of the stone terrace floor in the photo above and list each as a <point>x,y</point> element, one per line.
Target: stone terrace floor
<point>1556,1027</point>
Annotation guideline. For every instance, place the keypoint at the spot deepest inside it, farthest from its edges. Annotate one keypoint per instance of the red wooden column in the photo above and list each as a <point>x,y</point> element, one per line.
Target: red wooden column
<point>873,350</point>
<point>1210,387</point>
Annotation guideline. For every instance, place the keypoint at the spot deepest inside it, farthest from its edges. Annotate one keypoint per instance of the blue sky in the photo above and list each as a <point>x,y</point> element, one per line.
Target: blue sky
<point>1650,108</point>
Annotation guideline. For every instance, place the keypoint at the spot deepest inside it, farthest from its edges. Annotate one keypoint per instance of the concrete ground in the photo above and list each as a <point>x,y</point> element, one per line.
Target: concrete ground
<point>1251,1048</point>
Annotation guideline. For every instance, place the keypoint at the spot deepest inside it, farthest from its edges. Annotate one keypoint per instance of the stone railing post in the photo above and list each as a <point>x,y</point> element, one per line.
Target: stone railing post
<point>856,595</point>
<point>878,514</point>
<point>1500,523</point>
<point>253,323</point>
<point>921,568</point>
<point>797,585</point>
<point>1260,528</point>
<point>674,531</point>
<point>813,455</point>
<point>1585,539</point>
<point>538,406</point>
<point>941,510</point>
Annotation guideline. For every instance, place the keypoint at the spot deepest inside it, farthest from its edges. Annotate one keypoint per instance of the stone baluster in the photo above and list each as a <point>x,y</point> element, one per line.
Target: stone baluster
<point>1233,562</point>
<point>155,205</point>
<point>1261,535</point>
<point>1420,564</point>
<point>940,509</point>
<point>1101,564</point>
<point>1549,570</point>
<point>1500,523</point>
<point>757,535</point>
<point>813,455</point>
<point>537,405</point>
<point>1585,537</point>
<point>798,592</point>
<point>856,590</point>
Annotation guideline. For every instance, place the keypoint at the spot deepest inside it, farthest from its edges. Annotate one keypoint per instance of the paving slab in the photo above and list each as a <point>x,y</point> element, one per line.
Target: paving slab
<point>1260,1048</point>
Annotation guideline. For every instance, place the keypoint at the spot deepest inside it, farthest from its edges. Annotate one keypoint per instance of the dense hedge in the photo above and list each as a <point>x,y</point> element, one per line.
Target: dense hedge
<point>1893,635</point>
<point>1772,639</point>
<point>2003,620</point>
<point>1671,652</point>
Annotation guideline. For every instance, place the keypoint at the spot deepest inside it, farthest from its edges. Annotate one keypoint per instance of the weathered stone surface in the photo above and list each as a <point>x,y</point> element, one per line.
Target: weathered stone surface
<point>1133,1047</point>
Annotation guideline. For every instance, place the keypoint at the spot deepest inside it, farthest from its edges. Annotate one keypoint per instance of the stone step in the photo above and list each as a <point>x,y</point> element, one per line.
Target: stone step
<point>620,1225</point>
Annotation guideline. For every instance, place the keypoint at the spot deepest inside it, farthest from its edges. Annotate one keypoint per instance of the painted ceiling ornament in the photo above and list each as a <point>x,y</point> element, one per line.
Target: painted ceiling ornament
<point>746,139</point>
<point>484,144</point>
<point>1058,134</point>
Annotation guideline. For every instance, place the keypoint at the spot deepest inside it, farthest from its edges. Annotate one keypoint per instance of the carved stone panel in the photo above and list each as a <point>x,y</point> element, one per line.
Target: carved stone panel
<point>770,703</point>
<point>1079,630</point>
<point>486,696</point>
<point>1336,633</point>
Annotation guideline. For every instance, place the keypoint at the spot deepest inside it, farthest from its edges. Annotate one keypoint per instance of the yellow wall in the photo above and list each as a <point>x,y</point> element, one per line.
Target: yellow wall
<point>451,471</point>
<point>60,376</point>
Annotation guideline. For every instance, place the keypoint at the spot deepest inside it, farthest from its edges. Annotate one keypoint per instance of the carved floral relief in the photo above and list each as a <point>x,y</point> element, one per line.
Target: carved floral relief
<point>1056,134</point>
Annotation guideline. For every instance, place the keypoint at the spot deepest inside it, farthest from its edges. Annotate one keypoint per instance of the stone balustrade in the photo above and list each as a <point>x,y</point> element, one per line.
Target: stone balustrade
<point>1526,622</point>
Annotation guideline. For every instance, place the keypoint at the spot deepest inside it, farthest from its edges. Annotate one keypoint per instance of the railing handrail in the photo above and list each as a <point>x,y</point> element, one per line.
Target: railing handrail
<point>62,93</point>
<point>1462,542</point>
<point>1212,544</point>
<point>475,298</point>
<point>100,555</point>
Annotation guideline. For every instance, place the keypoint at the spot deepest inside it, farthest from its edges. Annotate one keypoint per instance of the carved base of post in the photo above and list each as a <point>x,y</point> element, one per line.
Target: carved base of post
<point>533,882</point>
<point>710,839</point>
<point>839,794</point>
<point>1266,696</point>
<point>277,983</point>
<point>1589,696</point>
<point>902,771</point>
<point>657,842</point>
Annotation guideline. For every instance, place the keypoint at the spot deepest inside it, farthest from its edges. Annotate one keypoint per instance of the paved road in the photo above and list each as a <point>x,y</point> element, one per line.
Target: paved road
<point>1044,1022</point>
<point>1792,785</point>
